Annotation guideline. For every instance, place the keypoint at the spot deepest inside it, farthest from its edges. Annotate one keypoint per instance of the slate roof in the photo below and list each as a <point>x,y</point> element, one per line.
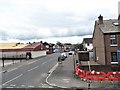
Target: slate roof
<point>109,26</point>
<point>87,40</point>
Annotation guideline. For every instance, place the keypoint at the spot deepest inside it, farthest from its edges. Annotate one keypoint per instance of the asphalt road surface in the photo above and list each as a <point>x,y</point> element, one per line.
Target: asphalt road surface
<point>30,75</point>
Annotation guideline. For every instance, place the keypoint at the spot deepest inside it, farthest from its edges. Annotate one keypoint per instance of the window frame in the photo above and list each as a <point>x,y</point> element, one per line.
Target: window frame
<point>113,40</point>
<point>114,57</point>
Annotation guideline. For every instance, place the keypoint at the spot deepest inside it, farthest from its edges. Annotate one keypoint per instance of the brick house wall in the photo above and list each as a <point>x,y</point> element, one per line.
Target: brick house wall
<point>98,44</point>
<point>110,48</point>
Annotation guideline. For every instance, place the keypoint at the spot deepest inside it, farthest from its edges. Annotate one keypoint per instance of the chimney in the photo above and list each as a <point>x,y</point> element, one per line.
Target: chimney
<point>100,19</point>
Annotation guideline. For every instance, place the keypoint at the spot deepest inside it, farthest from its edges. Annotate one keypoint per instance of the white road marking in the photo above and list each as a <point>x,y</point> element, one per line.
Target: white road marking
<point>12,85</point>
<point>31,86</point>
<point>45,86</point>
<point>12,79</point>
<point>33,68</point>
<point>22,85</point>
<point>32,62</point>
<point>44,63</point>
<point>9,87</point>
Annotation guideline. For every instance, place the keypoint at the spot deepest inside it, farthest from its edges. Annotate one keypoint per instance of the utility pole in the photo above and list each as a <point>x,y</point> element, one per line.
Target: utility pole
<point>74,63</point>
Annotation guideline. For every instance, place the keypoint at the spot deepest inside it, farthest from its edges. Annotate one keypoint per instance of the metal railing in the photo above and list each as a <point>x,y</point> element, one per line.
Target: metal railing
<point>13,58</point>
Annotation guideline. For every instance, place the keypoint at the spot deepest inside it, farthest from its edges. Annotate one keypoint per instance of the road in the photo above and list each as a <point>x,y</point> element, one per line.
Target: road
<point>30,75</point>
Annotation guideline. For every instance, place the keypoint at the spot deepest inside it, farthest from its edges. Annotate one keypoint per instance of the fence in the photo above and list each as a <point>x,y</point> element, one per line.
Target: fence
<point>13,58</point>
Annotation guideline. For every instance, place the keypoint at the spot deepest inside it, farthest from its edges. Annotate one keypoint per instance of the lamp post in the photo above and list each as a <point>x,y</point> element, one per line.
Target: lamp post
<point>74,63</point>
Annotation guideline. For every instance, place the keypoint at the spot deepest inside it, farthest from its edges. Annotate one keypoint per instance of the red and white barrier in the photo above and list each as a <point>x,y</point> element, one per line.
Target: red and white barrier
<point>113,76</point>
<point>98,76</point>
<point>81,74</point>
<point>90,75</point>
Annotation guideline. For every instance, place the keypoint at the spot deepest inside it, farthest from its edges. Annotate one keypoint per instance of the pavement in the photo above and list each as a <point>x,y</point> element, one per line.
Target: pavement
<point>63,77</point>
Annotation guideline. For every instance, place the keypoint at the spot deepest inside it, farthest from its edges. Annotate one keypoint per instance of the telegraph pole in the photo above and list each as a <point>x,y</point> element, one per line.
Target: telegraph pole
<point>74,63</point>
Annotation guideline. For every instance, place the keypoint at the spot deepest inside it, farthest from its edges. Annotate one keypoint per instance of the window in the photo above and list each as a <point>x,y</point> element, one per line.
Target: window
<point>114,57</point>
<point>113,39</point>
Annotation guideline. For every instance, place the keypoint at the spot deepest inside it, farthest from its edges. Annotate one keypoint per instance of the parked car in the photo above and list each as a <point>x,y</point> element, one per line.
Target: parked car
<point>62,57</point>
<point>71,53</point>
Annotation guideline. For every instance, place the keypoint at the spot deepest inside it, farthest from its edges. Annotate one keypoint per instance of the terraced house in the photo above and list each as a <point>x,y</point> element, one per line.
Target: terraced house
<point>106,41</point>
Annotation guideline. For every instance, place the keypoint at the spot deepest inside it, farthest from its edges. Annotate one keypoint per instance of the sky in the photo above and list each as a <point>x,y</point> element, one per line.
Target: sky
<point>67,21</point>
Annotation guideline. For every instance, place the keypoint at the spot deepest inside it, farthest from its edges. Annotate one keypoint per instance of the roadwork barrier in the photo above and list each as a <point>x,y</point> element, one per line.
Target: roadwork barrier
<point>97,75</point>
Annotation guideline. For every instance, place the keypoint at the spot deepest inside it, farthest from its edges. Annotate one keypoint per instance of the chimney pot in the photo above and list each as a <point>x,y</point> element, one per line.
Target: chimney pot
<point>100,19</point>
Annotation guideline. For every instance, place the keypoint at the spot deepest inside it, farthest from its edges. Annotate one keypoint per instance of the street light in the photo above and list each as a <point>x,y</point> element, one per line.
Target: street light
<point>74,63</point>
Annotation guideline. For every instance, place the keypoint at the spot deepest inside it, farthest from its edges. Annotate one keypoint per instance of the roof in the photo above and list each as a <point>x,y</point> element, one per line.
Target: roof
<point>109,26</point>
<point>33,46</point>
<point>45,43</point>
<point>87,40</point>
<point>12,45</point>
<point>8,47</point>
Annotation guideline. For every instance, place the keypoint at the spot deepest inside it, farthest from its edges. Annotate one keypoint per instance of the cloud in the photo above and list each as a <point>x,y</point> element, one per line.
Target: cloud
<point>38,19</point>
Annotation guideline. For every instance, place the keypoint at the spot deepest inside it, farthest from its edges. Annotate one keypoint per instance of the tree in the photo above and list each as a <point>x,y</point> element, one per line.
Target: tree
<point>78,46</point>
<point>59,43</point>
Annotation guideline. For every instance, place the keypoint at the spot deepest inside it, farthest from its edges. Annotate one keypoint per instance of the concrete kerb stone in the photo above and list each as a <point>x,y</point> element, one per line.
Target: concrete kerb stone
<point>49,74</point>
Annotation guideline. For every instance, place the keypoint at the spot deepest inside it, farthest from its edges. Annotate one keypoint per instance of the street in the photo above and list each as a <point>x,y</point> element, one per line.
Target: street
<point>35,72</point>
<point>30,75</point>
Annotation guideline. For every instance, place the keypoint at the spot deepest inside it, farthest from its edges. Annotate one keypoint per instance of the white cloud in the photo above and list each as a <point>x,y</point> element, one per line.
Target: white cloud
<point>36,19</point>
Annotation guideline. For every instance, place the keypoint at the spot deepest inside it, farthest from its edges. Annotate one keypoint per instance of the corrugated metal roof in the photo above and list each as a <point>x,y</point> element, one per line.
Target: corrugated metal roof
<point>8,47</point>
<point>33,45</point>
<point>12,45</point>
<point>108,26</point>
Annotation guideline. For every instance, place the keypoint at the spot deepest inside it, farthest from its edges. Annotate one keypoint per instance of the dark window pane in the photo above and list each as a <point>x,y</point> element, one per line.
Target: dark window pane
<point>114,56</point>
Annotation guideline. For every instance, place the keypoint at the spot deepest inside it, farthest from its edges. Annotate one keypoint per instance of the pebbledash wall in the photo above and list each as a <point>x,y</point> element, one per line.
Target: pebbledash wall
<point>38,53</point>
<point>34,54</point>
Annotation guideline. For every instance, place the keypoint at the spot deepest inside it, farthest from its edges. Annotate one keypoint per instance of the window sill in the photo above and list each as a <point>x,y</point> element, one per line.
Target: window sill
<point>113,45</point>
<point>114,62</point>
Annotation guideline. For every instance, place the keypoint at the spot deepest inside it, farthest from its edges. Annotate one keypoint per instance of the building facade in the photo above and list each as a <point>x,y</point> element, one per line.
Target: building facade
<point>16,50</point>
<point>106,41</point>
<point>87,44</point>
